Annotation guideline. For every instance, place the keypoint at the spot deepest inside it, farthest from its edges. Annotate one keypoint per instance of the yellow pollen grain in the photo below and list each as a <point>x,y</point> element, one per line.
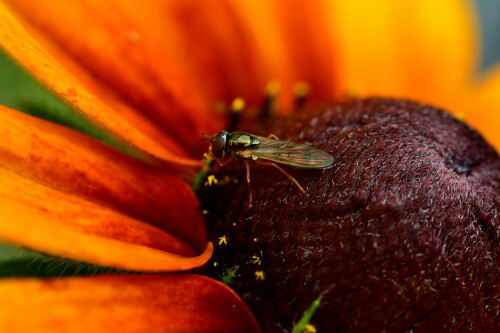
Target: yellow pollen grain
<point>211,180</point>
<point>259,275</point>
<point>223,240</point>
<point>256,260</point>
<point>310,329</point>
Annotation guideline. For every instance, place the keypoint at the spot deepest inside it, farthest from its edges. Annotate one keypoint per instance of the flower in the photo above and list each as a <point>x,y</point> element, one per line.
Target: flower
<point>150,75</point>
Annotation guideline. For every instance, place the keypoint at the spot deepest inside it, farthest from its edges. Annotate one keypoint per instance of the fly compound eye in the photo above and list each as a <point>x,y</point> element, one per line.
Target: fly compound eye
<point>219,145</point>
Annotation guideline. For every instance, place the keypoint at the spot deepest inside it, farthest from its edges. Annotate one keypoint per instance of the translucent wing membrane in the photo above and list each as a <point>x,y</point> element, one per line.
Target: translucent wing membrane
<point>289,153</point>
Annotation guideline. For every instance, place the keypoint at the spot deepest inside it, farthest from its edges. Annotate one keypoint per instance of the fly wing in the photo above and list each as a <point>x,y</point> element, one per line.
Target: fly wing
<point>290,153</point>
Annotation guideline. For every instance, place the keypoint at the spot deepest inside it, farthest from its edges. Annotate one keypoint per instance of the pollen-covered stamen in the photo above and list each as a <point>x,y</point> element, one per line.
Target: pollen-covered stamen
<point>301,92</point>
<point>237,106</point>
<point>268,102</point>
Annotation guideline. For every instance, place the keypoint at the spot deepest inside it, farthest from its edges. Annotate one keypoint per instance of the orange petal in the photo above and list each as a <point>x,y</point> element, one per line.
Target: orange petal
<point>139,96</point>
<point>424,50</point>
<point>294,45</point>
<point>138,303</point>
<point>309,45</point>
<point>72,163</point>
<point>42,219</point>
<point>483,108</point>
<point>85,240</point>
<point>212,48</point>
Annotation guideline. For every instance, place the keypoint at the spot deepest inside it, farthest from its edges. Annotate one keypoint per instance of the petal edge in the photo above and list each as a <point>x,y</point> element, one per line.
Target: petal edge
<point>165,303</point>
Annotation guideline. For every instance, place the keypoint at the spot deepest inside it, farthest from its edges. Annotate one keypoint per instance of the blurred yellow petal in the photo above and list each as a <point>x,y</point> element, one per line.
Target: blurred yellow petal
<point>295,45</point>
<point>482,110</point>
<point>212,48</point>
<point>424,50</point>
<point>134,303</point>
<point>309,46</point>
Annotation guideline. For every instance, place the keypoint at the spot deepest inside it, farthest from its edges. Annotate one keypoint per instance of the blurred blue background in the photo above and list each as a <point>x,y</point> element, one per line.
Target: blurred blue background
<point>489,18</point>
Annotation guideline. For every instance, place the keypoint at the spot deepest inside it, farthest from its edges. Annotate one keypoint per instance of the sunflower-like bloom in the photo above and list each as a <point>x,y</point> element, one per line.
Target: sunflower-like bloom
<point>150,74</point>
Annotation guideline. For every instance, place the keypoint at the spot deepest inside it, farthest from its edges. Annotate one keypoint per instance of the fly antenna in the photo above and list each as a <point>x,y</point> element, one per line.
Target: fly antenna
<point>207,137</point>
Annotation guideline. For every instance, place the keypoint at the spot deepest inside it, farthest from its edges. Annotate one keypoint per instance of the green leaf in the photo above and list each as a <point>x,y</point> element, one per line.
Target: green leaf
<point>19,262</point>
<point>301,325</point>
<point>20,91</point>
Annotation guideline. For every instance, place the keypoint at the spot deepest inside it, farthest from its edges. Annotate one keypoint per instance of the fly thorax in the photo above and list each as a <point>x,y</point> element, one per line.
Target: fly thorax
<point>243,140</point>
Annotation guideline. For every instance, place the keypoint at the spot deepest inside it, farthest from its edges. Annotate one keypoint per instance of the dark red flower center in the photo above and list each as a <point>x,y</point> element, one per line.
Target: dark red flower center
<point>402,231</point>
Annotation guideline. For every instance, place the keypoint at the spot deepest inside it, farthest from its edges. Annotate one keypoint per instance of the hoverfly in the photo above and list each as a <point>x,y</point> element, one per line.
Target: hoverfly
<point>249,146</point>
<point>240,145</point>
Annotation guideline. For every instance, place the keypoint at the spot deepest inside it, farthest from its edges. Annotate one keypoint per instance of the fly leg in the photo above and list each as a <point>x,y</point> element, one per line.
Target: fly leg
<point>224,163</point>
<point>247,166</point>
<point>287,175</point>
